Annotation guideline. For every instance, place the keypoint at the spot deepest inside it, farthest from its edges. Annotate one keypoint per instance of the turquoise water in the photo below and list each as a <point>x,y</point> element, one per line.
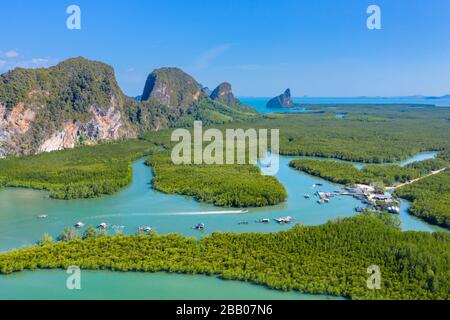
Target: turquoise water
<point>139,205</point>
<point>419,157</point>
<point>260,103</point>
<point>51,285</point>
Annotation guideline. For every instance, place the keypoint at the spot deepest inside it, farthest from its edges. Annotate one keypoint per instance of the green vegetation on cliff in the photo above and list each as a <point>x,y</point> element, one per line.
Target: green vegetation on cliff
<point>66,92</point>
<point>172,87</point>
<point>39,103</point>
<point>327,259</point>
<point>69,87</point>
<point>222,185</point>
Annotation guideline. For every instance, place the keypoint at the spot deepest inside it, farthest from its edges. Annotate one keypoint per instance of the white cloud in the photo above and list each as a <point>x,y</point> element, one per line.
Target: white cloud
<point>39,61</point>
<point>11,54</point>
<point>247,67</point>
<point>257,67</point>
<point>10,64</point>
<point>12,59</point>
<point>36,63</point>
<point>207,57</point>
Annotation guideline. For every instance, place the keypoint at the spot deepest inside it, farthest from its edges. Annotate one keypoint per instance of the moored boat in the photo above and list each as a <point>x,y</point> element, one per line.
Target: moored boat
<point>145,229</point>
<point>284,220</point>
<point>199,227</point>
<point>394,210</point>
<point>102,226</point>
<point>79,225</point>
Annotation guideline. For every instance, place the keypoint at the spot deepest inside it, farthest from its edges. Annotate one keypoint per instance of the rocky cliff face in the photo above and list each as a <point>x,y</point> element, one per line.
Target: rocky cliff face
<point>282,101</point>
<point>79,101</point>
<point>15,125</point>
<point>18,130</point>
<point>172,88</point>
<point>43,110</point>
<point>223,93</point>
<point>104,124</point>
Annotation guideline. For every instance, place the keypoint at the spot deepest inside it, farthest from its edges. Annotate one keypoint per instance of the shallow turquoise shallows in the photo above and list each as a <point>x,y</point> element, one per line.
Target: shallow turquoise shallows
<point>137,286</point>
<point>139,205</point>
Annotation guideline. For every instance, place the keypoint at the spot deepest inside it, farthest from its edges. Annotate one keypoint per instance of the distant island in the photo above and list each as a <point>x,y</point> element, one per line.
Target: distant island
<point>447,96</point>
<point>282,101</point>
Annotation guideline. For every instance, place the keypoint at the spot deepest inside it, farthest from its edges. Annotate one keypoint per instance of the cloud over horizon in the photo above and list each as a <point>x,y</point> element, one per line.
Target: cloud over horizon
<point>12,59</point>
<point>206,58</point>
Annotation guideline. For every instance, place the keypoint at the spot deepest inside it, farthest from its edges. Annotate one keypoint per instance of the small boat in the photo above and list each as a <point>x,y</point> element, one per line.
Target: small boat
<point>199,227</point>
<point>145,229</point>
<point>359,209</point>
<point>319,184</point>
<point>42,216</point>
<point>118,227</point>
<point>307,196</point>
<point>243,223</point>
<point>263,221</point>
<point>394,210</point>
<point>326,200</point>
<point>102,226</point>
<point>284,220</point>
<point>245,211</point>
<point>321,201</point>
<point>79,225</point>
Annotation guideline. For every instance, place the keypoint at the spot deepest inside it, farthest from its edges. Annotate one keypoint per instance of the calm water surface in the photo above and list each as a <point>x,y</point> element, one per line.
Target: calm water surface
<point>260,103</point>
<point>138,286</point>
<point>139,205</point>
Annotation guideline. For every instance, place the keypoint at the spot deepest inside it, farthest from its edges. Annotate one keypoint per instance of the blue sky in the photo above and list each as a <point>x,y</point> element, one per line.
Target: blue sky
<point>317,48</point>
